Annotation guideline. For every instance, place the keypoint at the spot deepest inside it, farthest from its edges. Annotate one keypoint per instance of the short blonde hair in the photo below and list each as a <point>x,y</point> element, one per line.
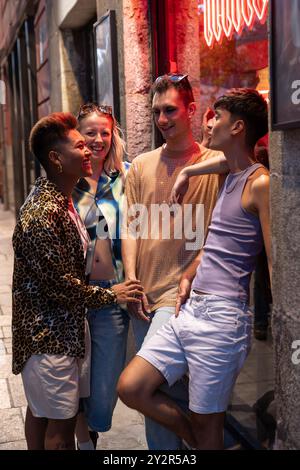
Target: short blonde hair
<point>114,158</point>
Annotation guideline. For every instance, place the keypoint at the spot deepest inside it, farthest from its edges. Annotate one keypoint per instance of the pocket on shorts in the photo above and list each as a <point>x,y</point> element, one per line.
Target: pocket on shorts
<point>197,305</point>
<point>225,317</point>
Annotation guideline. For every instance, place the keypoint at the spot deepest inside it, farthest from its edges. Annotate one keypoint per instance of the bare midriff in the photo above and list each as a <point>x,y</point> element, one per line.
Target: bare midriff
<point>102,268</point>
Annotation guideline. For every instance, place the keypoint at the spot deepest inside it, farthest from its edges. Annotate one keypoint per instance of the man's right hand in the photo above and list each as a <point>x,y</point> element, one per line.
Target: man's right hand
<point>128,291</point>
<point>183,293</point>
<point>141,310</point>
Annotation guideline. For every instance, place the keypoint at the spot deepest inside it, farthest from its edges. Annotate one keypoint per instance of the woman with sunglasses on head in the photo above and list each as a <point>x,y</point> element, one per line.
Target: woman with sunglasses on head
<point>98,200</point>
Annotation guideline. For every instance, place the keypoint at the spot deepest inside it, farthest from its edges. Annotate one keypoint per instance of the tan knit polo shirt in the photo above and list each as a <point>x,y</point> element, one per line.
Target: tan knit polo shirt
<point>161,259</point>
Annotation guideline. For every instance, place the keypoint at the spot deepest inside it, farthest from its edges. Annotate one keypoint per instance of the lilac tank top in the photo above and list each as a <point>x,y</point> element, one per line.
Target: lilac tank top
<point>233,242</point>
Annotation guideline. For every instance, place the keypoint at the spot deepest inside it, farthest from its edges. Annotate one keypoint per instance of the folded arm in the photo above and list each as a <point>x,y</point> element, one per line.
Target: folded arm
<point>215,165</point>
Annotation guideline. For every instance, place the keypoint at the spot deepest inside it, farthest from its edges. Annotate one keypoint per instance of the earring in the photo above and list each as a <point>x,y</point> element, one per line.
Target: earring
<point>59,168</point>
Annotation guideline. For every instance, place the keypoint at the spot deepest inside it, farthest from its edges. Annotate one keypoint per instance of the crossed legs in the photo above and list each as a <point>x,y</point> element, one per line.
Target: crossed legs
<point>138,388</point>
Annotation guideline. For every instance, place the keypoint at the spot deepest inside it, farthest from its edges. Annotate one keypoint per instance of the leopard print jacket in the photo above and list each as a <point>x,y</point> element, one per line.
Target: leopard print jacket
<point>50,295</point>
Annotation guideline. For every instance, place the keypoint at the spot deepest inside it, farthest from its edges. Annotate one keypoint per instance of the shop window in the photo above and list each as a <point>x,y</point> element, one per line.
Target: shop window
<point>80,47</point>
<point>239,60</point>
<point>22,98</point>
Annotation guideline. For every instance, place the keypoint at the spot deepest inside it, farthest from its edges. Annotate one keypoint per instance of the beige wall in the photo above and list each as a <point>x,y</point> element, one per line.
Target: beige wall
<point>117,6</point>
<point>74,13</point>
<point>60,70</point>
<point>62,9</point>
<point>62,16</point>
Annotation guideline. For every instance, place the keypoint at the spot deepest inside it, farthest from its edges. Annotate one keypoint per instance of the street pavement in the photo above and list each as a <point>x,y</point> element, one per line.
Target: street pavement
<point>127,430</point>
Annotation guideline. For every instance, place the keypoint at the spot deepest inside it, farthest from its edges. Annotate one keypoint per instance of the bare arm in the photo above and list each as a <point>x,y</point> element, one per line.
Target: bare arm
<point>129,261</point>
<point>260,192</point>
<point>129,257</point>
<point>129,245</point>
<point>215,165</point>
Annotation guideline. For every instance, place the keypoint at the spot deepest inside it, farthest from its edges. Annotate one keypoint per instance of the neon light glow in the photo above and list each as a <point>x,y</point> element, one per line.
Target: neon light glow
<point>224,17</point>
<point>248,13</point>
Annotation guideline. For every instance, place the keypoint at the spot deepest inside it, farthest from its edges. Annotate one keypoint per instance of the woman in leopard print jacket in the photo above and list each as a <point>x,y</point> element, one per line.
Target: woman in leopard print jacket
<point>50,295</point>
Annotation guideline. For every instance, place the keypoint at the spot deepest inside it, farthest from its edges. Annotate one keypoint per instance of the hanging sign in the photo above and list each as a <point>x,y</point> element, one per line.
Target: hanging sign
<point>285,64</point>
<point>224,17</point>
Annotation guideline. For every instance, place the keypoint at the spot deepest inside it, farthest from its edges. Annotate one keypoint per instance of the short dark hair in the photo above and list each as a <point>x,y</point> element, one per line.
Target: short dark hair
<point>48,132</point>
<point>250,106</point>
<point>163,83</point>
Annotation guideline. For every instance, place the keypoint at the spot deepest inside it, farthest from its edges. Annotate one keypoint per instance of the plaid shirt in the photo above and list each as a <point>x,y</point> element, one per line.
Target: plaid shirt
<point>101,214</point>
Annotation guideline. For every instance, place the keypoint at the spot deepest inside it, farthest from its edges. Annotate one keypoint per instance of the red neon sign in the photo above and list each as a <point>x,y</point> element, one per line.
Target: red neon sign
<point>223,17</point>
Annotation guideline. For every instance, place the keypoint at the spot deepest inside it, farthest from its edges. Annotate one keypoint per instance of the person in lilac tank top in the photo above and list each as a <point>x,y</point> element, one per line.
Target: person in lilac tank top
<point>209,336</point>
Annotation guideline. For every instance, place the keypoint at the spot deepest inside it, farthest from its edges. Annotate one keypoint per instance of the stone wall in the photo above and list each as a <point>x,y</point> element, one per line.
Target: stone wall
<point>285,215</point>
<point>137,76</point>
<point>55,60</point>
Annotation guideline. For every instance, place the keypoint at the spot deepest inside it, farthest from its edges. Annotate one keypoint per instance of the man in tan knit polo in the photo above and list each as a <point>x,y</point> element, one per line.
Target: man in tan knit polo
<point>165,258</point>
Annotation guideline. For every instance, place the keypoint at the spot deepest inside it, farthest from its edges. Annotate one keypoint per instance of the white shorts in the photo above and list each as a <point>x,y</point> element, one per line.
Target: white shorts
<point>53,383</point>
<point>209,340</point>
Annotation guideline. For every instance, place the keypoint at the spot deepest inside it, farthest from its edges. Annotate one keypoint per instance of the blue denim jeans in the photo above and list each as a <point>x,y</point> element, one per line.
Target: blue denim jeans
<point>109,330</point>
<point>158,437</point>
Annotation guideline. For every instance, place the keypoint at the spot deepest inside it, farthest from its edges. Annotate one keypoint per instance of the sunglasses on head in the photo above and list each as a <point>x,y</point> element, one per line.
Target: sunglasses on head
<point>92,107</point>
<point>174,77</point>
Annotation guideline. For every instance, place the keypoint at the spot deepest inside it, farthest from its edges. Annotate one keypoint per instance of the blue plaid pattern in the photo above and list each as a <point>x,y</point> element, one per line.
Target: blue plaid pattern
<point>101,214</point>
